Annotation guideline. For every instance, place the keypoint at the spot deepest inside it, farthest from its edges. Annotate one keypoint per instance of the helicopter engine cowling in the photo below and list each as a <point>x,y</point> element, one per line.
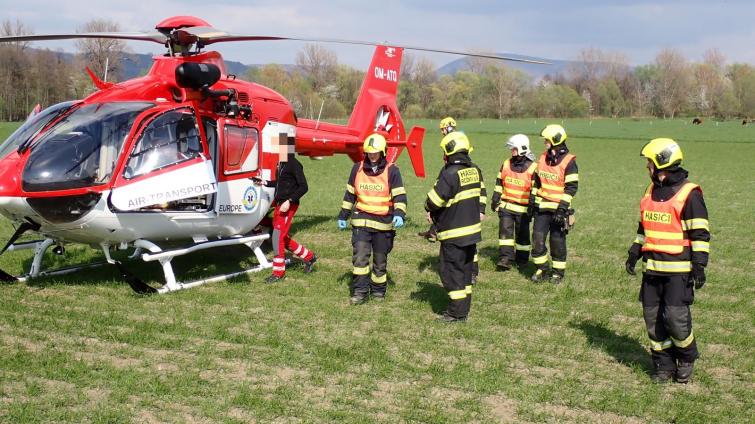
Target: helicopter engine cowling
<point>197,75</point>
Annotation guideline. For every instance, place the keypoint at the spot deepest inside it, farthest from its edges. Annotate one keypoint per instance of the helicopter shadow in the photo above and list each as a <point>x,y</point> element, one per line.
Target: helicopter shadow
<point>624,349</point>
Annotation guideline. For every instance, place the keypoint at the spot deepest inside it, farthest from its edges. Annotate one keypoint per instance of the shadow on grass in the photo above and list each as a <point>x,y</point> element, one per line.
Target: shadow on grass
<point>431,293</point>
<point>429,262</point>
<point>624,349</point>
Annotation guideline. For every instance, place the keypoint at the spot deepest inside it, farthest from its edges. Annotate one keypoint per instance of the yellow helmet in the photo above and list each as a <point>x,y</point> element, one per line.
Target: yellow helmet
<point>555,134</point>
<point>447,122</point>
<point>664,152</point>
<point>455,142</point>
<point>375,143</point>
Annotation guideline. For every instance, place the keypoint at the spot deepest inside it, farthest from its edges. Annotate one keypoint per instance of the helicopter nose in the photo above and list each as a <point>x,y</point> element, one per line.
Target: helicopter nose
<point>10,175</point>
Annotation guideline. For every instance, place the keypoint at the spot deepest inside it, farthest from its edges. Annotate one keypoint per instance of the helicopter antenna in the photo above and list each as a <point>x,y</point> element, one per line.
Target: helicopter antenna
<point>317,125</point>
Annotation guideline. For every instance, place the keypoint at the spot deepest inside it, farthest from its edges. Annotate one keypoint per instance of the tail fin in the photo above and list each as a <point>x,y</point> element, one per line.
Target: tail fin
<point>376,108</point>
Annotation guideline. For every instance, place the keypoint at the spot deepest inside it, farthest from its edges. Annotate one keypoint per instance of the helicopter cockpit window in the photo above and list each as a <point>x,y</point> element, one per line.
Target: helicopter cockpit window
<point>81,149</point>
<point>26,132</point>
<point>170,138</point>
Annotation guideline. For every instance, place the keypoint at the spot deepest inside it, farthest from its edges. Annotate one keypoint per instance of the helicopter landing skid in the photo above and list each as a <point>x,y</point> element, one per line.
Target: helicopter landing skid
<point>166,256</point>
<point>35,270</point>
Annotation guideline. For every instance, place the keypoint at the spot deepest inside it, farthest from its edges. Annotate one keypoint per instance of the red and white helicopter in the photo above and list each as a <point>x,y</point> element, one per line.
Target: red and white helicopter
<point>176,156</point>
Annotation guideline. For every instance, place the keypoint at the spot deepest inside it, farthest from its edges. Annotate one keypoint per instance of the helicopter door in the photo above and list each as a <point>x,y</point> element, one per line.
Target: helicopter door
<point>239,163</point>
<point>168,169</point>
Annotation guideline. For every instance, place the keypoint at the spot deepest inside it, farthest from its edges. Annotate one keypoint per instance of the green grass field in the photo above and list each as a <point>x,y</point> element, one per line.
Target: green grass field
<point>86,349</point>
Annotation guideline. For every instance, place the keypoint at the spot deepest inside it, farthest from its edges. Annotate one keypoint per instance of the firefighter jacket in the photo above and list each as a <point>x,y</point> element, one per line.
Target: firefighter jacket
<point>513,187</point>
<point>375,194</point>
<point>557,179</point>
<point>673,233</point>
<point>456,201</point>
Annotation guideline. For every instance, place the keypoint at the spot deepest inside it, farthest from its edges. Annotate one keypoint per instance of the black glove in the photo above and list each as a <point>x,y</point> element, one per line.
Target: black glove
<point>494,206</point>
<point>631,262</point>
<point>531,210</point>
<point>698,276</point>
<point>560,217</point>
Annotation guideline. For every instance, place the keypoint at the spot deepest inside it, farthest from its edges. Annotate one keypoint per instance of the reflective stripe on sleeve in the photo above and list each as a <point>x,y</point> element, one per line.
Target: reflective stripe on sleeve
<point>398,190</point>
<point>347,205</point>
<point>695,224</point>
<point>435,198</point>
<point>350,188</point>
<point>571,178</point>
<point>701,246</point>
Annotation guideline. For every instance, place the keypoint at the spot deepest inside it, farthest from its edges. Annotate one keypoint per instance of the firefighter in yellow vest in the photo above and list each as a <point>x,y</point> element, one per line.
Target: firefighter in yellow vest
<point>454,205</point>
<point>673,241</point>
<point>556,181</point>
<point>377,197</point>
<point>514,201</point>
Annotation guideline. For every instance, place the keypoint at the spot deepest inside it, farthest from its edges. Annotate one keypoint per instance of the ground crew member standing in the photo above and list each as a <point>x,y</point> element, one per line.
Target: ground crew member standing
<point>453,204</point>
<point>377,196</point>
<point>447,126</point>
<point>290,186</point>
<point>673,240</point>
<point>556,182</point>
<point>514,200</point>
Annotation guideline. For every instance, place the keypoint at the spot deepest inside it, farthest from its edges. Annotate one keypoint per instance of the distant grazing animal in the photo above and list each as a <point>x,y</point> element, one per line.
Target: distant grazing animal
<point>697,121</point>
<point>744,122</point>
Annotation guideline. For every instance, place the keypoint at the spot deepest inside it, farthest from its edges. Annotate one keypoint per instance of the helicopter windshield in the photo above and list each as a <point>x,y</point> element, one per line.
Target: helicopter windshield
<point>26,132</point>
<point>82,148</point>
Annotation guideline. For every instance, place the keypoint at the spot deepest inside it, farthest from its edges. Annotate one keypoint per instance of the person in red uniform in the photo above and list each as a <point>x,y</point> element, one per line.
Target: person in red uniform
<point>375,199</point>
<point>556,180</point>
<point>514,201</point>
<point>673,240</point>
<point>290,186</point>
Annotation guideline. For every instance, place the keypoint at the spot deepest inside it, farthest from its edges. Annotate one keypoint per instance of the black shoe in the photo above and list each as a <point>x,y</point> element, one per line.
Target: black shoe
<point>556,279</point>
<point>684,372</point>
<point>521,264</point>
<point>662,376</point>
<point>540,276</point>
<point>503,265</point>
<point>448,319</point>
<point>309,265</point>
<point>358,299</point>
<point>274,279</point>
<point>378,297</point>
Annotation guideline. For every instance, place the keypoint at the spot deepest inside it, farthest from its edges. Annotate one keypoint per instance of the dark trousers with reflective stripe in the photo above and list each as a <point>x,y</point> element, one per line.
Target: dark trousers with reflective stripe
<point>666,304</point>
<point>456,268</point>
<point>543,227</point>
<point>365,244</point>
<point>514,236</point>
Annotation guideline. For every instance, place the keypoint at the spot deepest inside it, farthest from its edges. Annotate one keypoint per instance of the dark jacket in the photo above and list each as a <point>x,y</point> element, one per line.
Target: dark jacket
<point>291,183</point>
<point>456,201</point>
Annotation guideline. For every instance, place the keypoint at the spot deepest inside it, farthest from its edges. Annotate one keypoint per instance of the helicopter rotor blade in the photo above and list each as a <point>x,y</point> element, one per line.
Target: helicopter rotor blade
<point>155,37</point>
<point>209,35</point>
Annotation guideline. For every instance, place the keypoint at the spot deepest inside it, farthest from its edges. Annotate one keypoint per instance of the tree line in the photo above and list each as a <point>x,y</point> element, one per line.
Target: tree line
<point>596,83</point>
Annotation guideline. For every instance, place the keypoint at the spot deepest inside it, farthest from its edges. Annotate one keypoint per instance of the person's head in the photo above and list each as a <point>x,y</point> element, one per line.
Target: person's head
<point>553,135</point>
<point>455,142</point>
<point>285,148</point>
<point>447,125</point>
<point>519,144</point>
<point>662,154</point>
<point>374,147</point>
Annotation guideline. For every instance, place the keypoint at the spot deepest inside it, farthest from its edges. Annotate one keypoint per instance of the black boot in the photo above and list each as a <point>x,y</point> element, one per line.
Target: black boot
<point>310,264</point>
<point>503,264</point>
<point>358,298</point>
<point>541,276</point>
<point>684,372</point>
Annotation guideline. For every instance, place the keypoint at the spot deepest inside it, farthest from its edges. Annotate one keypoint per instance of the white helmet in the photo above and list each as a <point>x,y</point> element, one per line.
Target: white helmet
<point>521,143</point>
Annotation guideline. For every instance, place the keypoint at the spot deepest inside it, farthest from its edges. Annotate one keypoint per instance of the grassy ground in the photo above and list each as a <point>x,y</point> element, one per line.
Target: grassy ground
<point>85,349</point>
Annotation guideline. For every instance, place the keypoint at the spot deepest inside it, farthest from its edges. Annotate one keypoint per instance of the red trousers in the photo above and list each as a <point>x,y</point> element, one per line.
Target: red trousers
<point>282,241</point>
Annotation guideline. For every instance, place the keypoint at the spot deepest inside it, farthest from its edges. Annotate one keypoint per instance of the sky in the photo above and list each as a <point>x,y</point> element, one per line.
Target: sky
<point>547,29</point>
